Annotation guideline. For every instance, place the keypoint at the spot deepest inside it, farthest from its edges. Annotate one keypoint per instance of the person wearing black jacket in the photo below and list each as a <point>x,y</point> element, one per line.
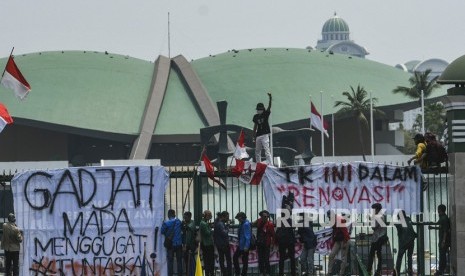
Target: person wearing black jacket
<point>221,239</point>
<point>286,238</point>
<point>309,242</point>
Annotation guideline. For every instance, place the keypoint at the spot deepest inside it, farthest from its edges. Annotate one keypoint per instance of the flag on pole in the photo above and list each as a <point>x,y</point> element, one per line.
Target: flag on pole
<point>317,120</point>
<point>210,170</point>
<point>249,172</point>
<point>5,118</point>
<point>198,265</point>
<point>240,152</point>
<point>13,79</point>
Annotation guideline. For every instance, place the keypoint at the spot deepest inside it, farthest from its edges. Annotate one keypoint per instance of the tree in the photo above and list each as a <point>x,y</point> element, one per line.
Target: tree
<point>358,106</point>
<point>419,81</point>
<point>434,119</point>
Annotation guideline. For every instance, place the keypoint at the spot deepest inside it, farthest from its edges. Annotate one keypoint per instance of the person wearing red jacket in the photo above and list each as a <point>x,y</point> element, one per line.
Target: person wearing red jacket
<point>265,239</point>
<point>339,242</point>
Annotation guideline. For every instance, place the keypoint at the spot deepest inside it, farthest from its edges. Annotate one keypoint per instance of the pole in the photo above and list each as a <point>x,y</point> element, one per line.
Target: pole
<point>372,130</point>
<point>422,112</point>
<point>311,141</point>
<point>322,129</point>
<point>169,37</point>
<point>271,138</point>
<point>332,126</point>
<point>191,179</point>
<point>11,53</point>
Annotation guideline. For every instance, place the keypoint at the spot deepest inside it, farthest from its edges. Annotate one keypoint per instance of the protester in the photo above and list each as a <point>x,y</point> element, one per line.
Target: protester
<point>309,241</point>
<point>221,239</point>
<point>188,231</point>
<point>378,239</point>
<point>407,237</point>
<point>11,240</point>
<point>435,153</point>
<point>206,241</point>
<point>339,242</point>
<point>171,229</point>
<point>245,236</point>
<point>261,131</point>
<point>444,238</point>
<point>285,237</point>
<point>265,238</point>
<point>419,140</point>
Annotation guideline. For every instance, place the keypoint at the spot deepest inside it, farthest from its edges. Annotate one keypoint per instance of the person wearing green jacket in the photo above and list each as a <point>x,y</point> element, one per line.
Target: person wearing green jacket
<point>188,242</point>
<point>407,237</point>
<point>206,241</point>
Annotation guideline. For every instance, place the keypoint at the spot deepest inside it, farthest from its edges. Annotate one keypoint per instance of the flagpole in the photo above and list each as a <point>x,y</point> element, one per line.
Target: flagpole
<point>372,130</point>
<point>322,129</point>
<point>4,69</point>
<point>311,141</point>
<point>191,179</point>
<point>422,112</point>
<point>332,124</point>
<point>169,37</point>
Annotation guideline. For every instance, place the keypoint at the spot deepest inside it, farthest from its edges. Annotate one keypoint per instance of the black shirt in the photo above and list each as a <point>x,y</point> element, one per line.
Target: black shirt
<point>262,123</point>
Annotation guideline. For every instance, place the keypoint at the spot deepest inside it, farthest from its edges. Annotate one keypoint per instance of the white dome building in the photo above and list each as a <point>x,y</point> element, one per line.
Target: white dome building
<point>336,39</point>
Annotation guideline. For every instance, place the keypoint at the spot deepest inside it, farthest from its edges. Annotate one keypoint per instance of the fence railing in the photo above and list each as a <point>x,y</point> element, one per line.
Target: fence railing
<point>188,191</point>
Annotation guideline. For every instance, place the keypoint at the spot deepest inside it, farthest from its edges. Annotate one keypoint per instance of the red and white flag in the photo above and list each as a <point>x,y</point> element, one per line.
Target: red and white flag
<point>240,152</point>
<point>317,121</point>
<point>249,172</point>
<point>5,118</point>
<point>13,79</point>
<point>208,168</point>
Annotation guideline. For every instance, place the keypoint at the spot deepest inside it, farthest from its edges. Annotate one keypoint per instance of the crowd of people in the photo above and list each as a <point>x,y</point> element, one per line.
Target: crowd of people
<point>185,242</point>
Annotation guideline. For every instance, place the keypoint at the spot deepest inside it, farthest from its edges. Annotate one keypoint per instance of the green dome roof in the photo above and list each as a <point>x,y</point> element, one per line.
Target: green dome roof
<point>335,25</point>
<point>454,73</point>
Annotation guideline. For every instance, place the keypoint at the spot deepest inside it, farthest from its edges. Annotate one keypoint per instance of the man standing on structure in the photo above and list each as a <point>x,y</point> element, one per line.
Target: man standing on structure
<point>261,131</point>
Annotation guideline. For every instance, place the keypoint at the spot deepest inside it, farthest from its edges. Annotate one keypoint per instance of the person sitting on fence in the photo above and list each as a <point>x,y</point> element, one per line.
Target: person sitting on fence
<point>245,237</point>
<point>171,229</point>
<point>339,242</point>
<point>309,241</point>
<point>188,240</point>
<point>265,239</point>
<point>417,159</point>
<point>407,237</point>
<point>378,239</point>
<point>206,241</point>
<point>435,153</point>
<point>221,238</point>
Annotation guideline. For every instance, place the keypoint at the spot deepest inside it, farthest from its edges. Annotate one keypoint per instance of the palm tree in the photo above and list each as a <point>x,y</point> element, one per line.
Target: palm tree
<point>419,81</point>
<point>358,105</point>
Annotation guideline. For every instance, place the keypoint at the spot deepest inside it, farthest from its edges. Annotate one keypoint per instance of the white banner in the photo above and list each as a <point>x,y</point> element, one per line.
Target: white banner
<point>353,186</point>
<point>91,220</point>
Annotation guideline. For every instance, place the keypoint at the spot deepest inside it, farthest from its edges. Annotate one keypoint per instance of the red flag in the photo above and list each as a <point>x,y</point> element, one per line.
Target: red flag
<point>13,79</point>
<point>317,121</point>
<point>5,118</point>
<point>211,170</point>
<point>249,172</point>
<point>240,152</point>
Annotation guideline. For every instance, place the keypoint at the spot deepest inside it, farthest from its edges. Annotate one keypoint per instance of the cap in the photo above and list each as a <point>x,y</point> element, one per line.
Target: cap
<point>260,106</point>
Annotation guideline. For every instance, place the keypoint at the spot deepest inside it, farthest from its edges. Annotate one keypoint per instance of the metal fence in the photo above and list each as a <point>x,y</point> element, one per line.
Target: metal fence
<point>188,191</point>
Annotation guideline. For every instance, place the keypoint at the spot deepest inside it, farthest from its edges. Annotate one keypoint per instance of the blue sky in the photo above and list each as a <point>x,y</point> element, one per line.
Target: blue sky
<point>393,31</point>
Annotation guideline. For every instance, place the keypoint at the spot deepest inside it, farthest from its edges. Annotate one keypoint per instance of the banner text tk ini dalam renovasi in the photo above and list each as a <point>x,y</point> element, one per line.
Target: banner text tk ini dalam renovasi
<point>92,220</point>
<point>352,186</point>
